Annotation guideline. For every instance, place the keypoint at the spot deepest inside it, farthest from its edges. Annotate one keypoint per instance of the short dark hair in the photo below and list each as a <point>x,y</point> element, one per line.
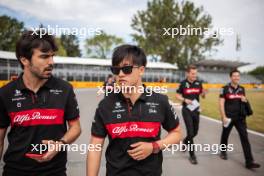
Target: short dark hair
<point>234,71</point>
<point>31,40</point>
<point>191,67</point>
<point>135,53</point>
<point>109,76</point>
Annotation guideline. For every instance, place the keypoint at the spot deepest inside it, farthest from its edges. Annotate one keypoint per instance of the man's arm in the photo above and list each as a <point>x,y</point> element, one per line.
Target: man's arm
<point>94,157</point>
<point>73,132</point>
<point>173,137</point>
<point>2,137</point>
<point>72,115</point>
<point>222,110</point>
<point>180,97</point>
<point>243,97</point>
<point>99,133</point>
<point>70,136</point>
<point>142,150</point>
<point>204,92</point>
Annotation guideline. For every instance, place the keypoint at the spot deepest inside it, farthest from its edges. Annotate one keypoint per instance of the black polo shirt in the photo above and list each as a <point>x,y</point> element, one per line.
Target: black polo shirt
<point>34,117</point>
<point>126,124</point>
<point>232,98</point>
<point>190,90</point>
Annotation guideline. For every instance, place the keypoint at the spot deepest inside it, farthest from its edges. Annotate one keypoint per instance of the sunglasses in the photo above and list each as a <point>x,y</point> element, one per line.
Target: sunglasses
<point>126,69</point>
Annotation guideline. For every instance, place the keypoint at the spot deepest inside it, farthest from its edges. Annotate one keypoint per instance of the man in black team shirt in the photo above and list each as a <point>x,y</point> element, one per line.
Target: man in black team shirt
<point>189,91</point>
<point>132,120</point>
<point>38,107</point>
<point>231,97</point>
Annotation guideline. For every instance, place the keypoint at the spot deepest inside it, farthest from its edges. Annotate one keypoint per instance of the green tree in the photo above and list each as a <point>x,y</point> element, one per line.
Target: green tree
<point>10,31</point>
<point>258,73</point>
<point>100,46</point>
<point>71,44</point>
<point>155,25</point>
<point>61,50</point>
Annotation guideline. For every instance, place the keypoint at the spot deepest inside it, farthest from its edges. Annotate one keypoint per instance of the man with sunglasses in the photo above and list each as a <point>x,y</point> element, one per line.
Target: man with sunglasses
<point>132,120</point>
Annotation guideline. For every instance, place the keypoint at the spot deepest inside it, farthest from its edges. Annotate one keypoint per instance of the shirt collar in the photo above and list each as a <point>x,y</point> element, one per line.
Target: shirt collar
<point>143,96</point>
<point>230,85</point>
<point>190,82</point>
<point>21,85</point>
<point>50,83</point>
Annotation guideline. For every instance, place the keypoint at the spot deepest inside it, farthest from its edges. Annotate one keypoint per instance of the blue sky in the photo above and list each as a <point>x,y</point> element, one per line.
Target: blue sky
<point>245,17</point>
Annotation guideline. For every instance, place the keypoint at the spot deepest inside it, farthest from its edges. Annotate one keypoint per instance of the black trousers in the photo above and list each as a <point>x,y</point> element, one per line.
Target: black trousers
<point>241,127</point>
<point>191,119</point>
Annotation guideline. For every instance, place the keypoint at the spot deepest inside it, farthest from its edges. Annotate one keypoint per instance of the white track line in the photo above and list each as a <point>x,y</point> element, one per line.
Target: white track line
<point>214,120</point>
<point>218,121</point>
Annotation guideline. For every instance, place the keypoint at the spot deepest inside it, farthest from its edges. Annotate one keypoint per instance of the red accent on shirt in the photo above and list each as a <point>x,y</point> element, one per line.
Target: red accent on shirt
<point>34,117</point>
<point>133,129</point>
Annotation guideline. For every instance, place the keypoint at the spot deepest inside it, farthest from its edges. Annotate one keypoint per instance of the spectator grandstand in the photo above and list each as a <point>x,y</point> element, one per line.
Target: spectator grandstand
<point>97,70</point>
<point>217,71</point>
<point>87,69</point>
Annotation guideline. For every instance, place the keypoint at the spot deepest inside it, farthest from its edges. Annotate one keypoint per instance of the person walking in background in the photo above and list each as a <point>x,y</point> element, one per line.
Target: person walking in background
<point>189,93</point>
<point>231,97</point>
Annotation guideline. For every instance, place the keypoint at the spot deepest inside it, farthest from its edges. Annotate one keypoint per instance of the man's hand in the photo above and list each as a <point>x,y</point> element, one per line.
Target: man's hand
<point>205,91</point>
<point>2,137</point>
<point>188,101</point>
<point>141,150</point>
<point>53,150</point>
<point>225,120</point>
<point>94,157</point>
<point>243,99</point>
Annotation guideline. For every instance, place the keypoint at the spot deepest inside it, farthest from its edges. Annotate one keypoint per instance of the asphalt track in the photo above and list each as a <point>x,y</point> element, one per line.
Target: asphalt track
<point>176,164</point>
